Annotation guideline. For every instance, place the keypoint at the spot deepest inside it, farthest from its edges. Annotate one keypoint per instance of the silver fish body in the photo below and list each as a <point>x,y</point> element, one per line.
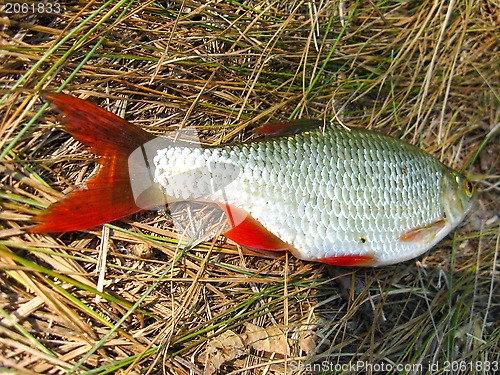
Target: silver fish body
<point>330,193</point>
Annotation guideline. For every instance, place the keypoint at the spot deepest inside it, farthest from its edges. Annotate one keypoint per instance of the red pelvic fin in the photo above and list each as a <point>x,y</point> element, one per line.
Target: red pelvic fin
<point>248,232</point>
<point>279,129</point>
<point>350,260</point>
<point>109,195</point>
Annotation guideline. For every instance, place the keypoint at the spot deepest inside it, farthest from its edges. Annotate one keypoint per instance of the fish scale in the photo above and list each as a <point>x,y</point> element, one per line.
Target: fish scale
<point>329,194</point>
<point>340,192</point>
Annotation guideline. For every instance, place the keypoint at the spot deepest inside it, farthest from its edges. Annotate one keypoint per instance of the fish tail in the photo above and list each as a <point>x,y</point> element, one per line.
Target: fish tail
<point>109,195</point>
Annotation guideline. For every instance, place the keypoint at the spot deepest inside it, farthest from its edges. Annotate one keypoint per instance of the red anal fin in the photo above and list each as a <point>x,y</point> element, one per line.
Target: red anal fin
<point>280,129</point>
<point>109,195</point>
<point>350,260</point>
<point>248,232</point>
<point>425,233</point>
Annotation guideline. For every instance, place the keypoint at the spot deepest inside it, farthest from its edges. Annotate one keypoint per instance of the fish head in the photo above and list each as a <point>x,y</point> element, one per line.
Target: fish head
<point>457,196</point>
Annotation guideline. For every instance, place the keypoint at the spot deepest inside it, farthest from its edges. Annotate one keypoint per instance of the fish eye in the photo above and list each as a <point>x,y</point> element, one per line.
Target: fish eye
<point>469,188</point>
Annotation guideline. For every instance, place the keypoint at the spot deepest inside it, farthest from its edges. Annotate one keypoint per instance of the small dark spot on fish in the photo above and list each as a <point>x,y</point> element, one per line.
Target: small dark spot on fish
<point>363,239</point>
<point>404,171</point>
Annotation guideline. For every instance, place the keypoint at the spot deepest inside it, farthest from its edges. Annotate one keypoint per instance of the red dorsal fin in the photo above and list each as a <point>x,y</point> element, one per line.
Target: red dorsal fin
<point>248,232</point>
<point>280,129</point>
<point>109,195</point>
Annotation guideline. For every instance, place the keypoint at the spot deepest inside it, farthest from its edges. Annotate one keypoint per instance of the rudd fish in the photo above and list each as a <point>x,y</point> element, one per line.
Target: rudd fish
<point>325,193</point>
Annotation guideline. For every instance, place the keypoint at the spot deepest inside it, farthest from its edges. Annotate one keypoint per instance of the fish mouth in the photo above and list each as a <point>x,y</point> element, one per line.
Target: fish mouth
<point>455,203</point>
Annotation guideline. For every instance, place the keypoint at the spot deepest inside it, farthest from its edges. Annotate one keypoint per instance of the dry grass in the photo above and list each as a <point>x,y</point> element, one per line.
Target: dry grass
<point>425,71</point>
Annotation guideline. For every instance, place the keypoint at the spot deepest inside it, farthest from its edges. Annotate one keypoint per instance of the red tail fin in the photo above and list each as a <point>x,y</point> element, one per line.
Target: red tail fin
<point>109,195</point>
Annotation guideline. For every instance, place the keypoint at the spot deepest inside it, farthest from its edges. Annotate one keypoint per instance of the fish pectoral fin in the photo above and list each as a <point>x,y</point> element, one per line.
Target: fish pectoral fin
<point>366,260</point>
<point>248,232</point>
<point>280,129</point>
<point>425,233</point>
